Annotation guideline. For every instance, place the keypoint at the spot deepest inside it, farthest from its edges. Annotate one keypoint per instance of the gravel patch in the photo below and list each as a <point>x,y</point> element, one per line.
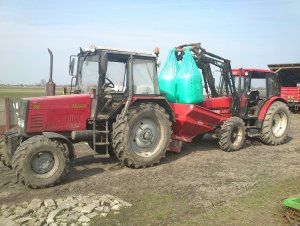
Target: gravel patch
<point>72,210</point>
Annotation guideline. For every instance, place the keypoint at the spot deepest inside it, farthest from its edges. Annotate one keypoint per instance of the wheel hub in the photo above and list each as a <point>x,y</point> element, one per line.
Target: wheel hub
<point>279,124</point>
<point>144,136</point>
<point>42,162</point>
<point>236,136</point>
<point>148,134</point>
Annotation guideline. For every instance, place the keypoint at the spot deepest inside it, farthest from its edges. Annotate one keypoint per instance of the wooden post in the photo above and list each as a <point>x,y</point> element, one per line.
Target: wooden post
<point>7,113</point>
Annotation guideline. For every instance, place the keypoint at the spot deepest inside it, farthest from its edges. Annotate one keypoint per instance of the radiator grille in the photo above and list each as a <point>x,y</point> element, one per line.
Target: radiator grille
<point>36,122</point>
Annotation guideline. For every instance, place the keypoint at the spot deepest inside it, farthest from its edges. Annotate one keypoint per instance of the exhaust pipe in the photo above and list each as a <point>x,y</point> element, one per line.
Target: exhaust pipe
<point>50,85</point>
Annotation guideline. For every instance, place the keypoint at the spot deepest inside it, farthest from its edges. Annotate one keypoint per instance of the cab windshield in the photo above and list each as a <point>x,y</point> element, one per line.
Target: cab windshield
<point>88,75</point>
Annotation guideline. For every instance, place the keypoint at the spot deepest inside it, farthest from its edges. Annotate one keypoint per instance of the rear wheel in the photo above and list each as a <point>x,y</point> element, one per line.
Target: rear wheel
<point>40,162</point>
<point>276,124</point>
<point>142,136</point>
<point>232,134</point>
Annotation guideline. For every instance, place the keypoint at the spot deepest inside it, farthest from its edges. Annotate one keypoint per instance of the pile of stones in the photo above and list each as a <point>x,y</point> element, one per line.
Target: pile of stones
<point>73,210</point>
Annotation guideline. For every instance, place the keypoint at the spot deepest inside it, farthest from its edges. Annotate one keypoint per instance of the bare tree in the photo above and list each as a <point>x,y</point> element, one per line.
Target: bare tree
<point>43,82</point>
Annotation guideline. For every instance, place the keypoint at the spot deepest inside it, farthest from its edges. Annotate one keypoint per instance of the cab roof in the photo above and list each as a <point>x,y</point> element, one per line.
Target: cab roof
<point>115,51</point>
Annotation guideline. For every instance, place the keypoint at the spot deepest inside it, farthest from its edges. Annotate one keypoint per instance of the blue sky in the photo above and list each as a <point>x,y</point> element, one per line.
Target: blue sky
<point>249,33</point>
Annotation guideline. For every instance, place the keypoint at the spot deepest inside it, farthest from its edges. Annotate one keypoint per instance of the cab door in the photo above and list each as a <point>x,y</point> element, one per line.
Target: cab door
<point>240,82</point>
<point>272,85</point>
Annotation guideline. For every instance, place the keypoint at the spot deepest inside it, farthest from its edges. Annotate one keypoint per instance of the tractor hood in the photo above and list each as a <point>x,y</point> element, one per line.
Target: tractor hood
<point>62,102</point>
<point>56,113</point>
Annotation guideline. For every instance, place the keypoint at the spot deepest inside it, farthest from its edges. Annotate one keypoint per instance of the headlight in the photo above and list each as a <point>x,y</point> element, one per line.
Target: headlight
<point>21,123</point>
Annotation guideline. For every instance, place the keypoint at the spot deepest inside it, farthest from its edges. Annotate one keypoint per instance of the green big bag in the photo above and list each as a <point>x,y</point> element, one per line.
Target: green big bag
<point>166,77</point>
<point>189,81</point>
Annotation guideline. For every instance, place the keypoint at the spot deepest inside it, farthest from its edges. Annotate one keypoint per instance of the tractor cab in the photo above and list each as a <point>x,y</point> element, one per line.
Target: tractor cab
<point>111,76</point>
<point>254,88</point>
<point>122,84</point>
<point>120,69</point>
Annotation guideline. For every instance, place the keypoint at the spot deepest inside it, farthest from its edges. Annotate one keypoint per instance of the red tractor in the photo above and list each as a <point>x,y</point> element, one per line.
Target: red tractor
<point>234,108</point>
<point>116,105</point>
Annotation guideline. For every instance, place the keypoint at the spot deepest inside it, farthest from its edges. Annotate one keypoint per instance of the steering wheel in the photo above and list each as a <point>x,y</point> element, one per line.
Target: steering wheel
<point>109,83</point>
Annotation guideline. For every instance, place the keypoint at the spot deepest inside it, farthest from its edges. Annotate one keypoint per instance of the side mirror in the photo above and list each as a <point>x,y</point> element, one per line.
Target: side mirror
<point>103,63</point>
<point>71,67</point>
<point>158,64</point>
<point>73,62</point>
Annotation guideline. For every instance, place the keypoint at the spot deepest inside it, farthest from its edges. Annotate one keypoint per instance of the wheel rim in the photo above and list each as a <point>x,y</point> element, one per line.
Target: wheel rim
<point>42,162</point>
<point>144,137</point>
<point>236,136</point>
<point>279,124</point>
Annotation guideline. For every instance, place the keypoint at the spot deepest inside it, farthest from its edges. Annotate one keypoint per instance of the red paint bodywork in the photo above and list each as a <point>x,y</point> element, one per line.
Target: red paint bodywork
<point>219,105</point>
<point>264,109</point>
<point>193,120</point>
<point>58,113</point>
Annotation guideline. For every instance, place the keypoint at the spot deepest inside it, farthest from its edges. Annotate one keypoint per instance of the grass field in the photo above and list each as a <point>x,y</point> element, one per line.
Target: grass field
<point>16,93</point>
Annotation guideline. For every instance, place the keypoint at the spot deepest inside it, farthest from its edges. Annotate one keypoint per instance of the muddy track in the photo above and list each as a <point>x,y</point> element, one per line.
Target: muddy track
<point>202,172</point>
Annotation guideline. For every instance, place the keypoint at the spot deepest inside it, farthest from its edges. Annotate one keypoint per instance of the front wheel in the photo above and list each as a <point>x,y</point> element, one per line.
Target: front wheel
<point>232,134</point>
<point>40,162</point>
<point>276,124</point>
<point>142,136</point>
<point>5,157</point>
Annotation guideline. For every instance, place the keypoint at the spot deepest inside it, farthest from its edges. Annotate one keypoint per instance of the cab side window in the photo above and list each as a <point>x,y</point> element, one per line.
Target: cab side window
<point>259,84</point>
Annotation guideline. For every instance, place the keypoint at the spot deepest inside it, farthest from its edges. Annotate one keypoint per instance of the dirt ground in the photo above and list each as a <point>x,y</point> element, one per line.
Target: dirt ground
<point>200,179</point>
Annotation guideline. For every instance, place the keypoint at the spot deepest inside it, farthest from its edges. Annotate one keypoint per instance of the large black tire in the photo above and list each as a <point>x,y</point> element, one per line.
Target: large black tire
<point>14,142</point>
<point>142,136</point>
<point>232,134</point>
<point>276,124</point>
<point>5,157</point>
<point>40,162</point>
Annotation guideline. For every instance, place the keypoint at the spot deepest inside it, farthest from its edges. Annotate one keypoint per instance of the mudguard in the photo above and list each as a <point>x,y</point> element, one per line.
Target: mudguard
<point>266,106</point>
<point>52,135</point>
<point>160,100</point>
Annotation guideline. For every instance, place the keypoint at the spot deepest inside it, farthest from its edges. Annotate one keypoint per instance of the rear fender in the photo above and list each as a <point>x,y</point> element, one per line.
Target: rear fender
<point>158,100</point>
<point>266,106</point>
<point>63,139</point>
